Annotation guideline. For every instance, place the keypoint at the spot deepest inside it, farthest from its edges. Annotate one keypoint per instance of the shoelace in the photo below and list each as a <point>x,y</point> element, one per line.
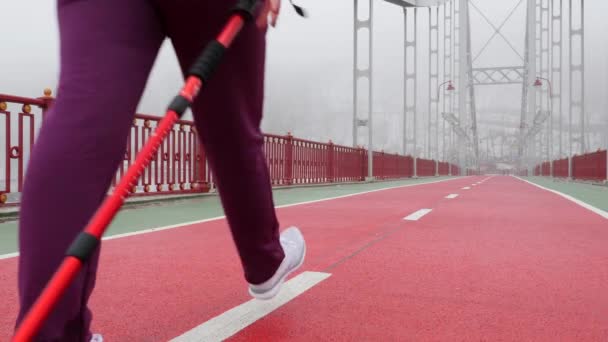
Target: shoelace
<point>288,242</point>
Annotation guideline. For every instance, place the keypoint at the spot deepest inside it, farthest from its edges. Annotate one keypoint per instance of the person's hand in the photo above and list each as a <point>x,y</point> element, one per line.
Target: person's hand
<point>271,9</point>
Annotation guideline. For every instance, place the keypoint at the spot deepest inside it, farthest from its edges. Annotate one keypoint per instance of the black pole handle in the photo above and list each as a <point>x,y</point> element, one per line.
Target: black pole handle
<point>246,7</point>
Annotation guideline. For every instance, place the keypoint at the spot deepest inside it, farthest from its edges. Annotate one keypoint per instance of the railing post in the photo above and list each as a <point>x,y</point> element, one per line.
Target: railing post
<point>364,156</point>
<point>410,165</point>
<point>48,100</point>
<point>330,162</point>
<point>7,160</point>
<point>201,177</point>
<point>289,159</point>
<point>381,171</point>
<point>396,170</point>
<point>605,166</point>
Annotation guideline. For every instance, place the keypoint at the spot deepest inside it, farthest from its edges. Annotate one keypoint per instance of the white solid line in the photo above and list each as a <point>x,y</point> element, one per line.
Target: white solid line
<point>184,224</point>
<point>234,320</point>
<point>485,179</point>
<point>8,256</point>
<point>152,230</point>
<point>365,192</point>
<point>417,215</point>
<point>451,196</point>
<point>466,188</point>
<point>598,211</point>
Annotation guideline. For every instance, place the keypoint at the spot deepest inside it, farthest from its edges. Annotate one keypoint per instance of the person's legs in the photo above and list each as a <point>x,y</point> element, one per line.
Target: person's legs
<point>228,115</point>
<point>107,50</point>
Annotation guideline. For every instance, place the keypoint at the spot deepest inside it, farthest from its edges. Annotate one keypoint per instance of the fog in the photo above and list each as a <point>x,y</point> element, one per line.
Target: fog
<point>309,66</point>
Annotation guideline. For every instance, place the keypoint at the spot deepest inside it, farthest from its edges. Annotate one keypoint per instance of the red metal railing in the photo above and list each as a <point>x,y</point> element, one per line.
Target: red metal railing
<point>444,168</point>
<point>180,166</point>
<point>590,166</point>
<point>298,161</point>
<point>560,168</point>
<point>425,167</point>
<point>278,150</point>
<point>391,166</point>
<point>545,168</point>
<point>310,162</point>
<point>347,164</point>
<point>19,126</point>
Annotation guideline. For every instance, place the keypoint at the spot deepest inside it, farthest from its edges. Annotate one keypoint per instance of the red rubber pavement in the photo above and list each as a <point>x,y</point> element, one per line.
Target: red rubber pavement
<point>156,286</point>
<point>505,261</point>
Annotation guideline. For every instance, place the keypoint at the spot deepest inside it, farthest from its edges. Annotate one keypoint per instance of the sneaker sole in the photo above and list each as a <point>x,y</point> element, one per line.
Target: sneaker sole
<point>275,290</point>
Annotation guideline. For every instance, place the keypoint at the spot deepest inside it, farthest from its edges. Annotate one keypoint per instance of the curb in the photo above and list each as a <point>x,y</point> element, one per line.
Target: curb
<point>136,202</point>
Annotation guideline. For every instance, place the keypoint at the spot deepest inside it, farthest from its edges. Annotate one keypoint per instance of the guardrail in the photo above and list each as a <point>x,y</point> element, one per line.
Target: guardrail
<point>180,165</point>
<point>588,167</point>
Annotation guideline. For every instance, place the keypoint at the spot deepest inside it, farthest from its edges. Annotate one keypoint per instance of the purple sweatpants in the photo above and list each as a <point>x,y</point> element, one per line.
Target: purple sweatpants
<point>107,50</point>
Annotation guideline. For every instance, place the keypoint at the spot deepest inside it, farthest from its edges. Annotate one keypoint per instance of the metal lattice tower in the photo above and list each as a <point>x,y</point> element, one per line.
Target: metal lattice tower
<point>452,122</point>
<point>576,28</point>
<point>433,54</point>
<point>410,82</point>
<point>363,73</point>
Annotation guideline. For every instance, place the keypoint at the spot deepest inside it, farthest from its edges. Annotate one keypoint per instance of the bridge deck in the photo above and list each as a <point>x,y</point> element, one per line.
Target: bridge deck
<point>502,260</point>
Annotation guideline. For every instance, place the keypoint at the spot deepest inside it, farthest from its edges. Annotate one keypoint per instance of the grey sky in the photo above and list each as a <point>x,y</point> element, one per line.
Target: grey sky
<point>309,66</point>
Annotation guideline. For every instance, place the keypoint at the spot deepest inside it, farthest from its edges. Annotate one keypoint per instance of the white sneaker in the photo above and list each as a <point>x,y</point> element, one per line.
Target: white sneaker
<point>96,338</point>
<point>294,248</point>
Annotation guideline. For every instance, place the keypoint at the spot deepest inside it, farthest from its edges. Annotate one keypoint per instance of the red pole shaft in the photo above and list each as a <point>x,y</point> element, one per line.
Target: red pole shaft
<point>106,213</point>
<point>45,303</point>
<point>97,226</point>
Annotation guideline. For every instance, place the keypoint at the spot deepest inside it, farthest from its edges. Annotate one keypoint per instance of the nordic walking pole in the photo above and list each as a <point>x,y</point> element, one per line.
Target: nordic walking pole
<point>86,242</point>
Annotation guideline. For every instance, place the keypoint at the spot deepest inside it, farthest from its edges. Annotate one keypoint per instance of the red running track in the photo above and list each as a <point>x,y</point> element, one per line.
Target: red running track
<point>503,261</point>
